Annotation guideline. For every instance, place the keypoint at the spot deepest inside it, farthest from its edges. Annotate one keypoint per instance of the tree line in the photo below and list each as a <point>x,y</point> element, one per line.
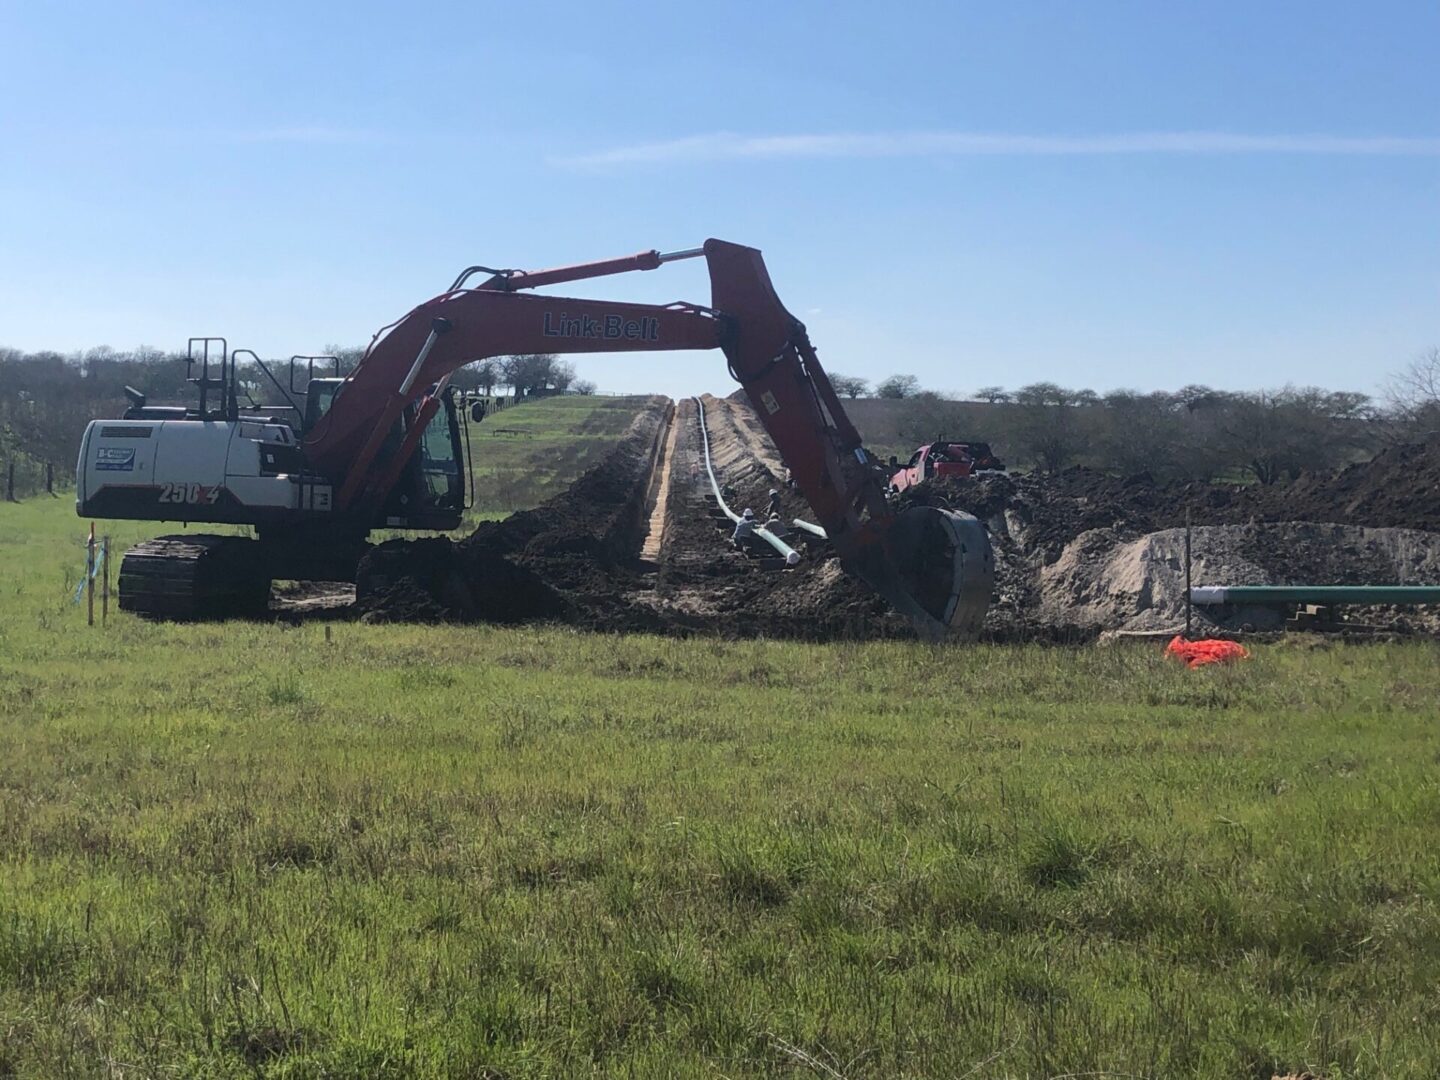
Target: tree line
<point>47,398</point>
<point>1194,433</point>
<point>523,375</point>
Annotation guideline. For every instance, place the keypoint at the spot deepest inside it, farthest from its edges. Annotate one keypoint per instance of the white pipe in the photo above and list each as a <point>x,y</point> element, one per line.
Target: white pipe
<point>813,530</point>
<point>1209,594</point>
<point>791,555</point>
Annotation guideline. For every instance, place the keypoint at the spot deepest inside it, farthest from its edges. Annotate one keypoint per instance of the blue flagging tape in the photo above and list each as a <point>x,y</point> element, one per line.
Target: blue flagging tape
<point>100,554</point>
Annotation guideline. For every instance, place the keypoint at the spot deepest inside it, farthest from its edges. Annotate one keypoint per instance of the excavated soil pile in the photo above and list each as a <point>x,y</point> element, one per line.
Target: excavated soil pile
<point>1100,583</point>
<point>1081,551</point>
<point>1400,488</point>
<point>571,559</point>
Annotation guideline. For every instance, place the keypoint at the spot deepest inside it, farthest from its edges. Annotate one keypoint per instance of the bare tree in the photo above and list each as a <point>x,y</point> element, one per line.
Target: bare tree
<point>1197,396</point>
<point>898,386</point>
<point>1044,393</point>
<point>582,386</point>
<point>1139,433</point>
<point>1275,435</point>
<point>526,373</point>
<point>561,374</point>
<point>348,355</point>
<point>992,395</point>
<point>488,375</point>
<point>1046,428</point>
<point>849,386</point>
<point>1257,434</point>
<point>1413,395</point>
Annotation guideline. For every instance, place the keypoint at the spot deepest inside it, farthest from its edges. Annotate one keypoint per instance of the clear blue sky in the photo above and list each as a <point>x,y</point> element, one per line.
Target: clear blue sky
<point>1101,194</point>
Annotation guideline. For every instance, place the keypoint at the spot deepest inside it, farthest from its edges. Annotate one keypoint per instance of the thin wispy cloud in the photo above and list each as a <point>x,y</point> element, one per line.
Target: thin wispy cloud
<point>307,133</point>
<point>727,146</point>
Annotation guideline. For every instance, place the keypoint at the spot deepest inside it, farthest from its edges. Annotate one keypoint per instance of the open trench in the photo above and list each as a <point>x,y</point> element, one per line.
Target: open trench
<point>657,499</point>
<point>702,584</point>
<point>635,544</point>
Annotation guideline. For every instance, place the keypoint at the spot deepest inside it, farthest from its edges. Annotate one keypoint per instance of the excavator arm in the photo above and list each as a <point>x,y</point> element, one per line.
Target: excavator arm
<point>932,566</point>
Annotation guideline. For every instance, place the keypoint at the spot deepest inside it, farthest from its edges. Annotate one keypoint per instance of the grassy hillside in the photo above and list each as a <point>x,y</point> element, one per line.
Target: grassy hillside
<point>524,455</point>
<point>248,849</point>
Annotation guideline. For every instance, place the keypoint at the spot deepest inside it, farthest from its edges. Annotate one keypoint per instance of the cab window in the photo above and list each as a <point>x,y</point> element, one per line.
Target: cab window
<point>438,462</point>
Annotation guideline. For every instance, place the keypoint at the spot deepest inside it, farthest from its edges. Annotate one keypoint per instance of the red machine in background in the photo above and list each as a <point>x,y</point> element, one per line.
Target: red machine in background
<point>378,448</point>
<point>943,458</point>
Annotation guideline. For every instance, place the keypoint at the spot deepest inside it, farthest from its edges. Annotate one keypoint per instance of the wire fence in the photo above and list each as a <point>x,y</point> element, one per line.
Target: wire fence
<point>22,476</point>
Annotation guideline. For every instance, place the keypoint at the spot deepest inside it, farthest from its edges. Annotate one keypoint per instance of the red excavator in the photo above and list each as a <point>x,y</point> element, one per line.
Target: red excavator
<point>381,447</point>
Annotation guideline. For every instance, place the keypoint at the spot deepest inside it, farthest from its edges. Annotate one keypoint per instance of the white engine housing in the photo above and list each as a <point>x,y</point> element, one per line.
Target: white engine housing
<point>244,471</point>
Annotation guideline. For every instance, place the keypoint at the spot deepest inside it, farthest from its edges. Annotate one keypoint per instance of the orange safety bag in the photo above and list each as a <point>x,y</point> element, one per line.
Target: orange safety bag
<point>1209,651</point>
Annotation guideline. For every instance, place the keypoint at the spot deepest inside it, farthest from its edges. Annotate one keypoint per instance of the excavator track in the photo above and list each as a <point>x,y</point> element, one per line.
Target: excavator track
<point>194,577</point>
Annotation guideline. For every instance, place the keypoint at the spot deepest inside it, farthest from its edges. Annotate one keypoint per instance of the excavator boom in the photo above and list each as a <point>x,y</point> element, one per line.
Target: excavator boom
<point>932,566</point>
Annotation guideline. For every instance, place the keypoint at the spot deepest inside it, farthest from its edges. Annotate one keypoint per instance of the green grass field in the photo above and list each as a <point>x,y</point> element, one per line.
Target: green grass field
<point>254,850</point>
<point>528,453</point>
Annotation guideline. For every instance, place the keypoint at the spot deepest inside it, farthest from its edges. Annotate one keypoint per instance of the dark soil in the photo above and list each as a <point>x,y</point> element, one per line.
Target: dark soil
<point>575,559</point>
<point>571,560</point>
<point>1400,488</point>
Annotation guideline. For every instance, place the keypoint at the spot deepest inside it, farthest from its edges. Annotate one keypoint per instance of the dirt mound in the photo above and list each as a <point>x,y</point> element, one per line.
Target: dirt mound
<point>1082,551</point>
<point>568,560</point>
<point>1139,585</point>
<point>1400,488</point>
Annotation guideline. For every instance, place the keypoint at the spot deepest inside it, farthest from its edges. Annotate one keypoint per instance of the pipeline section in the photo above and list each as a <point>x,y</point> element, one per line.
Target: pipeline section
<point>812,529</point>
<point>1315,594</point>
<point>789,554</point>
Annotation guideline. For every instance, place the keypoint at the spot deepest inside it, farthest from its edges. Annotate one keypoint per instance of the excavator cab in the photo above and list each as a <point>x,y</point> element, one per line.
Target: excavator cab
<point>437,471</point>
<point>320,394</point>
<point>431,492</point>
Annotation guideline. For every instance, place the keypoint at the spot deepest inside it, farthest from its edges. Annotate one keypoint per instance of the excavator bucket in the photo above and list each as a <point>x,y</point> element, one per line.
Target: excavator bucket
<point>935,567</point>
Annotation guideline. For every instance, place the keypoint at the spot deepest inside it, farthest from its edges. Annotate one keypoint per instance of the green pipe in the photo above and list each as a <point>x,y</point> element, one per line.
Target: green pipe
<point>1315,594</point>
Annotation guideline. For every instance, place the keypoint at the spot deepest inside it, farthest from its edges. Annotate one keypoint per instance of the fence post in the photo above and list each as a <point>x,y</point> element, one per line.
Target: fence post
<point>10,483</point>
<point>49,478</point>
<point>105,579</point>
<point>90,578</point>
<point>1189,605</point>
